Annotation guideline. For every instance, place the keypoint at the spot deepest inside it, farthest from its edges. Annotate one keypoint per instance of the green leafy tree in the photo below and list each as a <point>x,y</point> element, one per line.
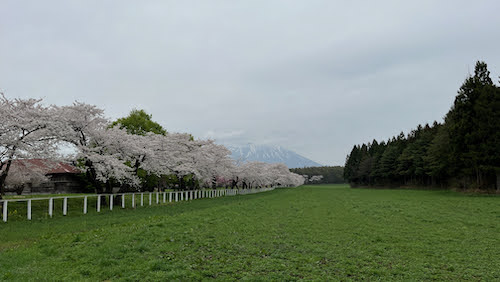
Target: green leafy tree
<point>138,122</point>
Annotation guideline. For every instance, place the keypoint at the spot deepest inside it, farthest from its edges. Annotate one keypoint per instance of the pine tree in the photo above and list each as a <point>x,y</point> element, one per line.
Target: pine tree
<point>473,124</point>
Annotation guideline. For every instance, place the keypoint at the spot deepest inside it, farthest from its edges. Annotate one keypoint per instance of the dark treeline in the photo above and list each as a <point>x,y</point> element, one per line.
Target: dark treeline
<point>331,174</point>
<point>462,152</point>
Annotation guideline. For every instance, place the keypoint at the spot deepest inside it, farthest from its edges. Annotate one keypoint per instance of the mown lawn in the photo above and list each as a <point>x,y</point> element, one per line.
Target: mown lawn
<point>312,232</point>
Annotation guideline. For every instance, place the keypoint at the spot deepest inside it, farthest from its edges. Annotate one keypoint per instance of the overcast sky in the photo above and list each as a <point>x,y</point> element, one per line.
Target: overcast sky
<point>315,77</point>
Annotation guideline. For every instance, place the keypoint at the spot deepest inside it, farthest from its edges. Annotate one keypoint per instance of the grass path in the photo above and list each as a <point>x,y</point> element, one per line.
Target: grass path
<point>312,232</point>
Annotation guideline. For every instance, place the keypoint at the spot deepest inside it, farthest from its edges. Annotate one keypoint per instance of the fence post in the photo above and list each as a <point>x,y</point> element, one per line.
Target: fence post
<point>170,197</point>
<point>150,197</point>
<point>51,206</point>
<point>157,197</point>
<point>110,202</point>
<point>29,209</point>
<point>164,197</point>
<point>133,200</point>
<point>98,203</point>
<point>5,210</point>
<point>85,205</point>
<point>65,206</point>
<point>142,199</point>
<point>123,201</point>
<point>176,197</point>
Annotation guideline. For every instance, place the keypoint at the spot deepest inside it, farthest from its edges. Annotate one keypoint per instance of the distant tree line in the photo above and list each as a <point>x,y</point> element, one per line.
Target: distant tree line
<point>331,174</point>
<point>462,152</point>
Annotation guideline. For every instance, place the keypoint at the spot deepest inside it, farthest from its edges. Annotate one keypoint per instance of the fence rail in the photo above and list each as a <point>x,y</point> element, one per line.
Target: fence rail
<point>157,197</point>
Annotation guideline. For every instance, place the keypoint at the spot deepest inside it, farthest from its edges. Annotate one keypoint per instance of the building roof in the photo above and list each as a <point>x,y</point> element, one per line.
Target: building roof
<point>45,166</point>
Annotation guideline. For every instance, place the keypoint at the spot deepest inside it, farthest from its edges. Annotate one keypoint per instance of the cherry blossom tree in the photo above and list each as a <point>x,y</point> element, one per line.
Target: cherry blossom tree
<point>213,163</point>
<point>110,151</point>
<point>110,156</point>
<point>27,130</point>
<point>175,153</point>
<point>316,178</point>
<point>101,151</point>
<point>23,173</point>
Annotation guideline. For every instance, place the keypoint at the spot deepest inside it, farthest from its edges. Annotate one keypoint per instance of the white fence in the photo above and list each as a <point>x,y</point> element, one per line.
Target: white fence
<point>128,199</point>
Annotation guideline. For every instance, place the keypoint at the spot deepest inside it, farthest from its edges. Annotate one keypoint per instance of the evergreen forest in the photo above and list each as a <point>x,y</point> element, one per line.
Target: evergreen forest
<point>331,174</point>
<point>461,152</point>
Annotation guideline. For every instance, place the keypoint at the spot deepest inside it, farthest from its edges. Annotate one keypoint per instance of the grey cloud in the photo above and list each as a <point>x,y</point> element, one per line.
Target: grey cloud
<point>313,76</point>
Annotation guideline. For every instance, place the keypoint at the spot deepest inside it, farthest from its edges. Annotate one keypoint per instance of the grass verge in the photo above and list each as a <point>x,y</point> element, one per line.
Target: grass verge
<point>312,232</point>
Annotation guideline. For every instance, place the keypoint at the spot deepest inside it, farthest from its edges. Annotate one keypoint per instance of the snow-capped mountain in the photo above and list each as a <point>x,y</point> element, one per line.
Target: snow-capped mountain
<point>270,154</point>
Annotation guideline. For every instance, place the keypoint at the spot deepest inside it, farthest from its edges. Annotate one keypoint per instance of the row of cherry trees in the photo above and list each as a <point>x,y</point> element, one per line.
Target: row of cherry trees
<point>109,156</point>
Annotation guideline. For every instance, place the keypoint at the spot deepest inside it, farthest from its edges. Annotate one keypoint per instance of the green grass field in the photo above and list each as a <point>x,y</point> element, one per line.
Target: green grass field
<point>312,232</point>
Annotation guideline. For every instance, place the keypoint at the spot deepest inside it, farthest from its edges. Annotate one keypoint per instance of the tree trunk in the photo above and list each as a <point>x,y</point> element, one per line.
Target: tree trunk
<point>182,184</point>
<point>234,183</point>
<point>91,176</point>
<point>214,182</point>
<point>109,188</point>
<point>3,177</point>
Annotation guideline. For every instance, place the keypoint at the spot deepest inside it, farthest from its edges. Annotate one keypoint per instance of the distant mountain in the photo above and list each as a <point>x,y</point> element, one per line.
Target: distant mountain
<point>270,154</point>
